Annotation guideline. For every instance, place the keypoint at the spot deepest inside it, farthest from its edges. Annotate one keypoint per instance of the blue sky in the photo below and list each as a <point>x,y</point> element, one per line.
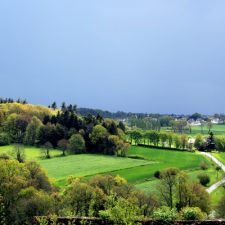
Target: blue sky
<point>140,56</point>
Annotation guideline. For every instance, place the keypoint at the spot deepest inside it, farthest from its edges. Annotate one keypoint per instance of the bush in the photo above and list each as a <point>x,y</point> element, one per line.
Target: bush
<point>120,212</point>
<point>204,179</point>
<point>221,207</point>
<point>4,139</point>
<point>165,214</point>
<point>157,174</point>
<point>192,213</point>
<point>199,142</point>
<point>2,211</point>
<point>4,156</point>
<point>136,157</point>
<point>32,202</point>
<point>203,165</point>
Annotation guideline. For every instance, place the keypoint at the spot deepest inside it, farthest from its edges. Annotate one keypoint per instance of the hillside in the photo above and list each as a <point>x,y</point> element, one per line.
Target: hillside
<point>28,110</point>
<point>137,171</point>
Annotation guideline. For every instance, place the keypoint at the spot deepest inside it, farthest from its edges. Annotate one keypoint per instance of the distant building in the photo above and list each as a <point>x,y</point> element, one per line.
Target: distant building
<point>215,120</point>
<point>191,142</point>
<point>193,122</point>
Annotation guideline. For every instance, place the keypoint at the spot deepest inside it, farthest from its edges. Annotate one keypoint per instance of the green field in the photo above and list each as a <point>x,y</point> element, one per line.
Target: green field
<point>137,171</point>
<point>216,196</point>
<point>151,186</point>
<point>220,156</point>
<point>182,160</point>
<point>217,129</point>
<point>165,159</point>
<point>60,168</point>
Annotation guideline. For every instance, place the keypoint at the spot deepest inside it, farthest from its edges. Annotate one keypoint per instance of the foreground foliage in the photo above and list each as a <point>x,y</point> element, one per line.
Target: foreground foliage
<point>26,192</point>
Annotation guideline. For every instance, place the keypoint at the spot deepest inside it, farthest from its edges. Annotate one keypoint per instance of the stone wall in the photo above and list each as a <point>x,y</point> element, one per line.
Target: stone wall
<point>97,221</point>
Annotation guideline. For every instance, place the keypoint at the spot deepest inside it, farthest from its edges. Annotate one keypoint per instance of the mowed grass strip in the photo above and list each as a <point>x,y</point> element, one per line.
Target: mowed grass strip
<point>60,167</point>
<point>88,164</point>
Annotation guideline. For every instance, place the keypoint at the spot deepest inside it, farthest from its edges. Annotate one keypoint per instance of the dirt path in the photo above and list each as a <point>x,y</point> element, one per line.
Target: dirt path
<point>215,160</point>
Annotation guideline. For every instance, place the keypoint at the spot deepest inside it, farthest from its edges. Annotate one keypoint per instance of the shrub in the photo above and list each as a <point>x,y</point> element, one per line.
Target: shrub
<point>38,177</point>
<point>165,214</point>
<point>192,213</point>
<point>136,157</point>
<point>203,165</point>
<point>199,142</point>
<point>19,153</point>
<point>2,211</point>
<point>4,139</point>
<point>204,179</point>
<point>81,199</point>
<point>32,202</point>
<point>221,207</point>
<point>4,156</point>
<point>120,212</point>
<point>157,174</point>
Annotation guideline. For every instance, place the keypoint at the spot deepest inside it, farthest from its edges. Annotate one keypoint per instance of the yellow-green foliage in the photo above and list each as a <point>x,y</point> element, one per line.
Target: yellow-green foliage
<point>26,109</point>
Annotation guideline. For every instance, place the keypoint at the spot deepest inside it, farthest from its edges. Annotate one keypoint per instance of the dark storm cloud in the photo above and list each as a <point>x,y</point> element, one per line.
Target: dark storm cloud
<point>142,56</point>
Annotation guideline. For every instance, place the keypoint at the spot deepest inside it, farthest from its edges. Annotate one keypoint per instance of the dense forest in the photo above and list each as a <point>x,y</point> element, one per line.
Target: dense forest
<point>62,128</point>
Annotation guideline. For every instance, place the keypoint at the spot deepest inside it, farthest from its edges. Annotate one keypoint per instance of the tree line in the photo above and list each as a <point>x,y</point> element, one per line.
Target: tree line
<point>11,100</point>
<point>64,129</point>
<point>159,138</point>
<point>178,141</point>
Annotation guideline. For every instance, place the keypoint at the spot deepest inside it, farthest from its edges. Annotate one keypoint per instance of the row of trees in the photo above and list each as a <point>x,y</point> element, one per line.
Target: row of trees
<point>151,123</point>
<point>64,107</point>
<point>169,122</point>
<point>65,130</point>
<point>179,141</point>
<point>11,100</point>
<point>25,192</point>
<point>156,138</point>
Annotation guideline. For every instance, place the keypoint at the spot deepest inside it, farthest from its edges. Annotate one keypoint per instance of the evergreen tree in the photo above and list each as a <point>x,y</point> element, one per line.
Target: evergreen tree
<point>210,142</point>
<point>54,106</point>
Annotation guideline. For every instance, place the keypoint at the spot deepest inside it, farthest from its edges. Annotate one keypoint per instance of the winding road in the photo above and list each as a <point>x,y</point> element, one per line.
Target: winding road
<point>215,160</point>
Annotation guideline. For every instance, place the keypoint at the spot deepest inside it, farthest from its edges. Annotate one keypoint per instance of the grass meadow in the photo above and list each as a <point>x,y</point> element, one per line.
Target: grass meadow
<point>139,172</point>
<point>217,129</point>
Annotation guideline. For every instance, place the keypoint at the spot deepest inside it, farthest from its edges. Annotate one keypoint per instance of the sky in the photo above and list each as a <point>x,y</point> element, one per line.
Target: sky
<point>136,56</point>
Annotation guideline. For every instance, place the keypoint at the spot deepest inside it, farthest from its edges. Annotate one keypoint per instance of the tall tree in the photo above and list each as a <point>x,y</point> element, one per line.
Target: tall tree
<point>32,131</point>
<point>63,145</point>
<point>167,185</point>
<point>15,126</point>
<point>77,144</point>
<point>46,148</point>
<point>99,137</point>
